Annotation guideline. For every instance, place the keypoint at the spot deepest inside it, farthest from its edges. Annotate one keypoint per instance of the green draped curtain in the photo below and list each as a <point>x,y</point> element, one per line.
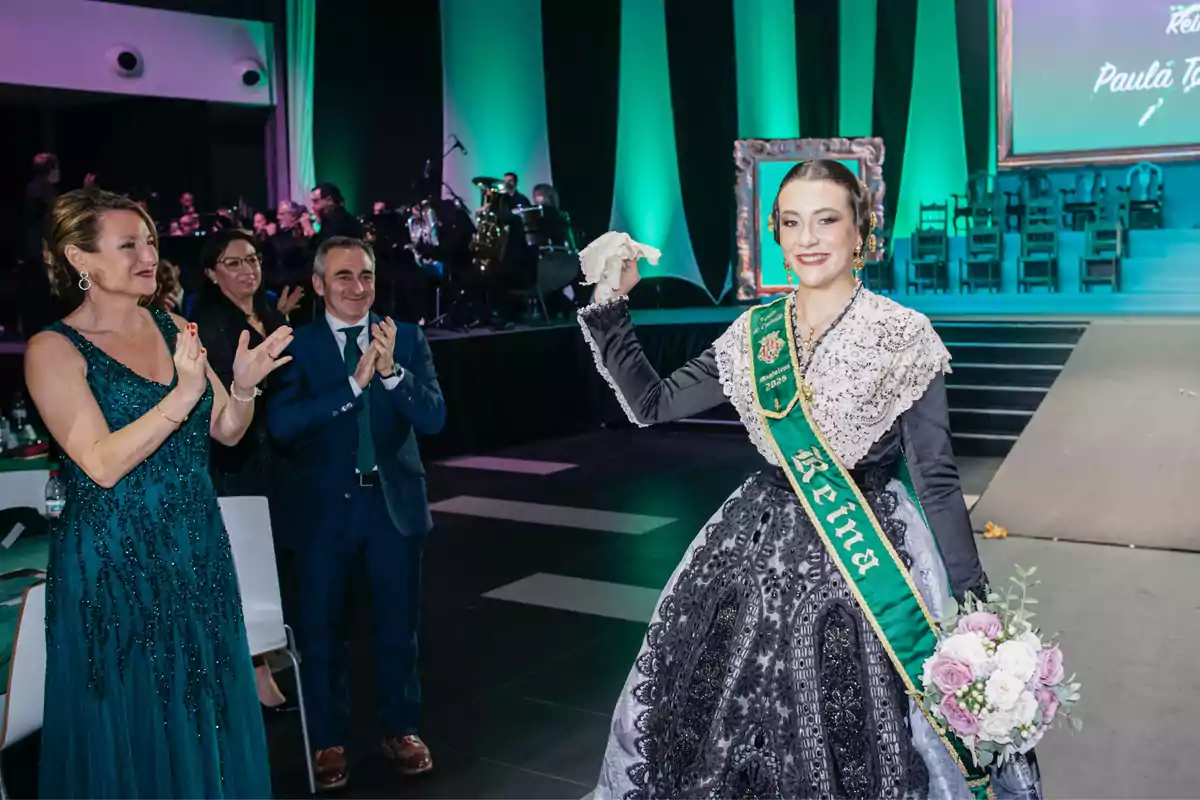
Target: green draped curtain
<point>301,23</point>
<point>647,202</point>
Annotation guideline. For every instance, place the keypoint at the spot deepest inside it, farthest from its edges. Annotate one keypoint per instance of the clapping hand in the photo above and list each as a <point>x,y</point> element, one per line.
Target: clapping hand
<point>383,340</point>
<point>365,370</point>
<point>191,363</point>
<point>289,299</point>
<point>252,364</point>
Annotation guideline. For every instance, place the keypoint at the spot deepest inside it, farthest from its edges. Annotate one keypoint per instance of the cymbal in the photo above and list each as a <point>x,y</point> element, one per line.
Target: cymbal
<point>484,182</point>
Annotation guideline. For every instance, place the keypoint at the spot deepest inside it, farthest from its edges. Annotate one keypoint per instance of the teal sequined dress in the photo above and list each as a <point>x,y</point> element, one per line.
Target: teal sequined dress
<point>149,687</point>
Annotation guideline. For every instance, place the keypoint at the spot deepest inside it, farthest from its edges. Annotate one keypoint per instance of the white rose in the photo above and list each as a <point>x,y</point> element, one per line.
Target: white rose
<point>1025,709</point>
<point>1003,689</point>
<point>996,726</point>
<point>1032,639</point>
<point>926,680</point>
<point>1017,659</point>
<point>968,648</point>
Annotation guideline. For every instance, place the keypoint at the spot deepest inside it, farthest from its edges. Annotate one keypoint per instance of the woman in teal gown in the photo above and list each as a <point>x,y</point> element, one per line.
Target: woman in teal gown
<point>149,686</point>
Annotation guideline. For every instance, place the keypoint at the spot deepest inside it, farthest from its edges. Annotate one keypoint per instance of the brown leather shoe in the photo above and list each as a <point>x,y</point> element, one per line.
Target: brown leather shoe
<point>331,769</point>
<point>408,754</point>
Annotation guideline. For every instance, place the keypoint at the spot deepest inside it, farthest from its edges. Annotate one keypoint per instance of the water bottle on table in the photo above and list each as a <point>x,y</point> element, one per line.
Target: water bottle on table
<point>56,496</point>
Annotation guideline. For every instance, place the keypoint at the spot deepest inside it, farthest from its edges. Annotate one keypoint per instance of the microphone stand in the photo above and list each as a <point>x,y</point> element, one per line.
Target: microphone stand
<point>456,146</point>
<point>441,317</point>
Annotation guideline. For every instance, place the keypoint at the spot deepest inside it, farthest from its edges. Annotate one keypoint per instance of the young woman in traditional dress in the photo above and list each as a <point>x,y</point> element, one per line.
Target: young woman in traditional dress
<point>784,647</point>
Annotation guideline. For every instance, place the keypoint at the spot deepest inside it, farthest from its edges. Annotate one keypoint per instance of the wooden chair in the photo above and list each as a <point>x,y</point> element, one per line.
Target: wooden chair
<point>978,206</point>
<point>1034,185</point>
<point>1100,265</point>
<point>1084,202</point>
<point>1038,264</point>
<point>1144,195</point>
<point>982,266</point>
<point>929,260</point>
<point>878,274</point>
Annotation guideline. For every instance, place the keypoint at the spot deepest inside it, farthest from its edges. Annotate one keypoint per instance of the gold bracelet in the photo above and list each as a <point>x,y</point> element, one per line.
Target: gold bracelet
<point>233,395</point>
<point>158,408</point>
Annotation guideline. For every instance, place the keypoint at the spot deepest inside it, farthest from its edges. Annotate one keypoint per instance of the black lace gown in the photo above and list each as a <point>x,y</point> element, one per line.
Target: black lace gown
<point>759,675</point>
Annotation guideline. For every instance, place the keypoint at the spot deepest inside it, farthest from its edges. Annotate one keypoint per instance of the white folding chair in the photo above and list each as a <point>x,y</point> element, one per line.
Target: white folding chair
<point>22,706</point>
<point>248,522</point>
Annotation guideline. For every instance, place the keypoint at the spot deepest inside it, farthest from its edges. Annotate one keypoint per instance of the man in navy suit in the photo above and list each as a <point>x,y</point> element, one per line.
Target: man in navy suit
<point>349,405</point>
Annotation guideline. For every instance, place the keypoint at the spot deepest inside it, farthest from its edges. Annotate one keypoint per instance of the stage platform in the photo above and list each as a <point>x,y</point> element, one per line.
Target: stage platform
<point>540,383</point>
<point>529,383</point>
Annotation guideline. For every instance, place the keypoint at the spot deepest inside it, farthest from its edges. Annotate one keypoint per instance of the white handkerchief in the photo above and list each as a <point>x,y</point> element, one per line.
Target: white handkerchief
<point>602,260</point>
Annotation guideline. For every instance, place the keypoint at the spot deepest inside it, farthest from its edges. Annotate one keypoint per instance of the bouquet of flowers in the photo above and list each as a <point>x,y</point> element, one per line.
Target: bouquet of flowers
<point>993,681</point>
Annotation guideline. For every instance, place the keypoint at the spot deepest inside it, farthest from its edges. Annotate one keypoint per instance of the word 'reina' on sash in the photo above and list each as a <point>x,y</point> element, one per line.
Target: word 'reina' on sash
<point>847,527</point>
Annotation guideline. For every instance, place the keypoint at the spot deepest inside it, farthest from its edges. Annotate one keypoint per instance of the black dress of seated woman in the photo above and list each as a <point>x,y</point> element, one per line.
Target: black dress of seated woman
<point>232,302</point>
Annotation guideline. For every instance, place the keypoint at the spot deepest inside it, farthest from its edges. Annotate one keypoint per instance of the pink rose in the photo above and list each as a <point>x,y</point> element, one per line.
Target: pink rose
<point>984,623</point>
<point>950,675</point>
<point>959,718</point>
<point>1050,667</point>
<point>1048,701</point>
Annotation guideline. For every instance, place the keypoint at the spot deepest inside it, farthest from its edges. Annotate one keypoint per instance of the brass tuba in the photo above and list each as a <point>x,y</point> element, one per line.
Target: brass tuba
<point>491,235</point>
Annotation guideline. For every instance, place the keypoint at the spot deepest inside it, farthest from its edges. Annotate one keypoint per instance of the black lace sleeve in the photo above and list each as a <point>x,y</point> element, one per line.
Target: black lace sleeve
<point>926,433</point>
<point>644,396</point>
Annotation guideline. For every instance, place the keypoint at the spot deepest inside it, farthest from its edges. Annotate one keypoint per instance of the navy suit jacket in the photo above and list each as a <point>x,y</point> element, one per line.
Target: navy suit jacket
<point>313,412</point>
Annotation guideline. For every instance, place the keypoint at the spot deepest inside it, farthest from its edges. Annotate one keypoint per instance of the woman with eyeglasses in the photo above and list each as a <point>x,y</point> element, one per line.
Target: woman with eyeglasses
<point>231,303</point>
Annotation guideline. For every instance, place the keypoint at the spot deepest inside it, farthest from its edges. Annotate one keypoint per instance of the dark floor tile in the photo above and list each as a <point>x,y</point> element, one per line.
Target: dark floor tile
<point>541,737</point>
<point>591,679</point>
<point>494,643</point>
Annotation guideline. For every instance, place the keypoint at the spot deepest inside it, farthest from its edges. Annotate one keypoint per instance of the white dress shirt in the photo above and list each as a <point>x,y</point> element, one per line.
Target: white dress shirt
<point>364,341</point>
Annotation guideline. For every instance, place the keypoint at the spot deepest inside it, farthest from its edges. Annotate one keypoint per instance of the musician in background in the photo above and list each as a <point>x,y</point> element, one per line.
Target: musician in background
<point>555,225</point>
<point>510,195</point>
<point>552,228</point>
<point>330,208</point>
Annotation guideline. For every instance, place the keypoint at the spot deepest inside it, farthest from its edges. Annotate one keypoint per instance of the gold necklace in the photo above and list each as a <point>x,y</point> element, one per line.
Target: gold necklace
<point>806,343</point>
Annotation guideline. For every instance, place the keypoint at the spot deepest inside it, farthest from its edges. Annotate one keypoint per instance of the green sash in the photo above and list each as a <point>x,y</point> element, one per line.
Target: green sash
<point>847,527</point>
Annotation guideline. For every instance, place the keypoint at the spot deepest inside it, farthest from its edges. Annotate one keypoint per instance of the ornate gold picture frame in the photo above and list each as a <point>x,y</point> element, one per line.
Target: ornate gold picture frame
<point>865,156</point>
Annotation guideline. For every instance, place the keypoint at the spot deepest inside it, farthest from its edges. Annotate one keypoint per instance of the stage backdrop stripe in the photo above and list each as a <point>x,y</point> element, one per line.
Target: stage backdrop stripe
<point>581,44</point>
<point>974,74</point>
<point>765,43</point>
<point>856,67</point>
<point>647,202</point>
<point>703,73</point>
<point>341,115</point>
<point>816,27</point>
<point>895,37</point>
<point>301,22</point>
<point>493,91</point>
<point>935,155</point>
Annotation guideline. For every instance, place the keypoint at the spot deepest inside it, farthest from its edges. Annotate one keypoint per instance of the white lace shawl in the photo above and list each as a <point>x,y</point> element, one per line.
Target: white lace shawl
<point>867,371</point>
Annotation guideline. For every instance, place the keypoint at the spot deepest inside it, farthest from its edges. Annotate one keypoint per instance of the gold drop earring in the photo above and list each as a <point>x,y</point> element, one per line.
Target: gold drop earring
<point>787,270</point>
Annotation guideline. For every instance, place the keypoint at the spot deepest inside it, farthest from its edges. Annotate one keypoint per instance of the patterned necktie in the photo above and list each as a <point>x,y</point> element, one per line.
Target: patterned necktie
<point>366,446</point>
